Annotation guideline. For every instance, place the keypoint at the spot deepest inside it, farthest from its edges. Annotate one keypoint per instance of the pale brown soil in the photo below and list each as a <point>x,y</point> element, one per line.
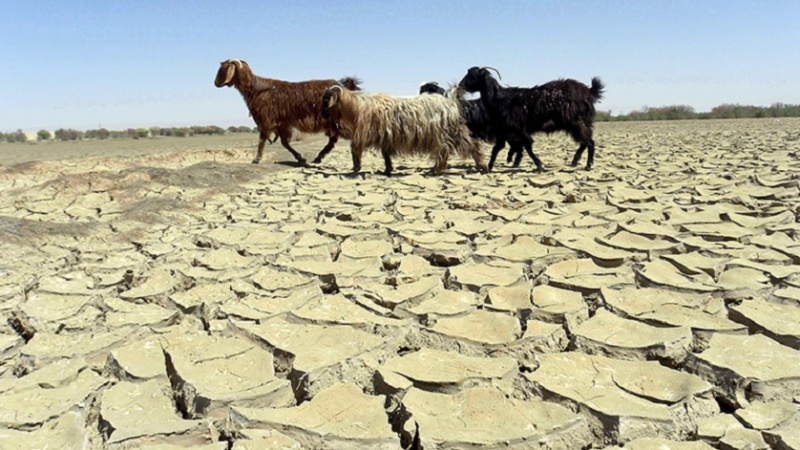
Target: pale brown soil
<point>167,293</point>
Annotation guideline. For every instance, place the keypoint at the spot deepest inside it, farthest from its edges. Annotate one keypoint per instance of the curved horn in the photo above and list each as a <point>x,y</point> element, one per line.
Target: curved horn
<point>336,86</point>
<point>237,62</point>
<point>495,71</point>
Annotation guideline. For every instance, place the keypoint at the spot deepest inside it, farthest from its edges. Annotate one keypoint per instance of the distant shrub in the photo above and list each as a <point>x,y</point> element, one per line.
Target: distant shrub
<point>206,130</point>
<point>602,116</point>
<point>100,133</point>
<point>43,135</point>
<point>68,135</point>
<point>724,111</point>
<point>242,129</point>
<point>17,136</point>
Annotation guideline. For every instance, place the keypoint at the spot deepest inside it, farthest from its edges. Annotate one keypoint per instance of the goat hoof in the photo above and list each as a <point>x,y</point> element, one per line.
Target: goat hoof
<point>256,161</point>
<point>317,160</point>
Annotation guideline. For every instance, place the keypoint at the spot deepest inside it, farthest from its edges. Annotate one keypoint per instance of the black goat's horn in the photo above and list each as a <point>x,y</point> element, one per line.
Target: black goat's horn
<point>495,71</point>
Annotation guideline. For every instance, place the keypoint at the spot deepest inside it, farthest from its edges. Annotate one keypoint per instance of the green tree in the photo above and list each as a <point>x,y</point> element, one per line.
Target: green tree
<point>43,135</point>
<point>17,136</point>
<point>68,135</point>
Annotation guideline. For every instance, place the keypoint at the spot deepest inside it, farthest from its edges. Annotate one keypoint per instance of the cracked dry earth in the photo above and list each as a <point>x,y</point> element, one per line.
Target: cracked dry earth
<point>194,300</point>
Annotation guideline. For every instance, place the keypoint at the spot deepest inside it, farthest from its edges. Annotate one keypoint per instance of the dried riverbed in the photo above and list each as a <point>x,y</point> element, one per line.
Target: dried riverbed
<point>191,299</point>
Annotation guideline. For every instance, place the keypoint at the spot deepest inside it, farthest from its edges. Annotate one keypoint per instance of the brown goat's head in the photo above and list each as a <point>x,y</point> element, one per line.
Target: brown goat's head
<point>228,73</point>
<point>330,99</point>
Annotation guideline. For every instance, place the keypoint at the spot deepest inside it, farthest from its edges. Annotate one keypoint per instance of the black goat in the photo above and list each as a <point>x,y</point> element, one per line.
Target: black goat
<point>473,111</point>
<point>516,113</point>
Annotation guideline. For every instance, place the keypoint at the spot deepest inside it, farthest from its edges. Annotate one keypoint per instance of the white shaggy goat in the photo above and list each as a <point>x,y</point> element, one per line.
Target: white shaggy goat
<point>425,125</point>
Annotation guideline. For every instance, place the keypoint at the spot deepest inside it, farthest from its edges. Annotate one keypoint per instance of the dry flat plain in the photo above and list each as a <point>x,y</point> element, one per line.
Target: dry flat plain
<point>191,299</point>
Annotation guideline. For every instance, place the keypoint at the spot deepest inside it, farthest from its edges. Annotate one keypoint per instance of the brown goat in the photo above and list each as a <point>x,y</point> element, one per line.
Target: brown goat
<point>280,106</point>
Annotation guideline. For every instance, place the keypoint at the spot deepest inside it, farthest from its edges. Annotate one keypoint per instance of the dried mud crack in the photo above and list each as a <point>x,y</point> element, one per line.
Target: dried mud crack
<point>194,300</point>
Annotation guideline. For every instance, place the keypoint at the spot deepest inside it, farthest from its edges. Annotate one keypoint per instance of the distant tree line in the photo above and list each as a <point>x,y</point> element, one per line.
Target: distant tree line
<point>70,134</point>
<point>724,111</point>
<point>674,112</point>
<point>16,136</point>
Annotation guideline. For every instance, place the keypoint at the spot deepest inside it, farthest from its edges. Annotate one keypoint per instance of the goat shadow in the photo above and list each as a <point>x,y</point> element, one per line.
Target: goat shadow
<point>399,172</point>
<point>349,174</point>
<point>292,163</point>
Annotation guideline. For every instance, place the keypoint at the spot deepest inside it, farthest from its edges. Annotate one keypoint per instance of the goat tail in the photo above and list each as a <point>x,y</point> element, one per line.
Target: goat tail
<point>352,83</point>
<point>597,89</point>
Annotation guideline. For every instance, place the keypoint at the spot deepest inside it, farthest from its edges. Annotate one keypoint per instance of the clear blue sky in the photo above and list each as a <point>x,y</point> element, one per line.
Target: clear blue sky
<point>116,64</point>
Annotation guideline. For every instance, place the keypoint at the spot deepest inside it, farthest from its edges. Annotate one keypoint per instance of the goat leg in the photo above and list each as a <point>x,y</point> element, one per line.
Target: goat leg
<point>495,150</point>
<point>518,159</point>
<point>590,158</point>
<point>529,149</point>
<point>478,157</point>
<point>327,149</point>
<point>285,142</point>
<point>387,163</point>
<point>355,152</point>
<point>262,138</point>
<point>578,154</point>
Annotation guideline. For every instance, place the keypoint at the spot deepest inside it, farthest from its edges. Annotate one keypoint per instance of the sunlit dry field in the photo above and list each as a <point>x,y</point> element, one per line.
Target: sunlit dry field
<point>11,154</point>
<point>166,293</point>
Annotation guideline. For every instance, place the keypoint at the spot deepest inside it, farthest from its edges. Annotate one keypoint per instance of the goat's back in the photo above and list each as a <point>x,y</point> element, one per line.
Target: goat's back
<point>407,125</point>
<point>558,104</point>
<point>277,103</point>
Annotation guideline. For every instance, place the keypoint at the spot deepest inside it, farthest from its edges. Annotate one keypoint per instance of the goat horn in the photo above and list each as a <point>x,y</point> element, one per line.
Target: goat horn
<point>335,86</point>
<point>495,70</point>
<point>237,62</point>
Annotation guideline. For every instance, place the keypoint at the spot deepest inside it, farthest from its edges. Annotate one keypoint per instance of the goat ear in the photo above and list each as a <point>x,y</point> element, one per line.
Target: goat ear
<point>336,93</point>
<point>229,75</point>
<point>334,98</point>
